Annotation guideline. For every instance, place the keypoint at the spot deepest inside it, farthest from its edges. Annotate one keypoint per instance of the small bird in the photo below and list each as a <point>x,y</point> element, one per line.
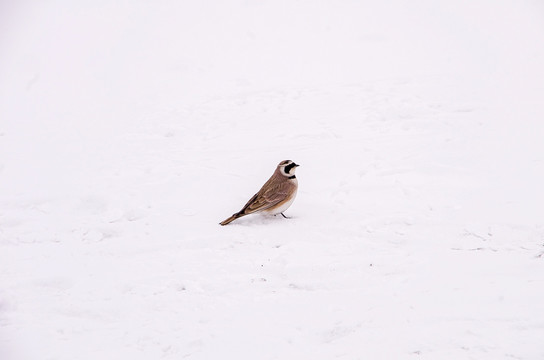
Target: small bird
<point>276,195</point>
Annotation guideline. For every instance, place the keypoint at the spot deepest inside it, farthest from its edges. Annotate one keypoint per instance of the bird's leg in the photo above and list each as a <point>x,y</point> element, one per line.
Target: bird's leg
<point>284,216</point>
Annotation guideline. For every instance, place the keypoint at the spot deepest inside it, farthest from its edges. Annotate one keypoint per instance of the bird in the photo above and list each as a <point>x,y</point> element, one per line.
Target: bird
<point>276,195</point>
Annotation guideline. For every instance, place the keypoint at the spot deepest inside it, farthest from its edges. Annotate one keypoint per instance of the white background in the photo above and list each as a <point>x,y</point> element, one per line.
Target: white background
<point>130,129</point>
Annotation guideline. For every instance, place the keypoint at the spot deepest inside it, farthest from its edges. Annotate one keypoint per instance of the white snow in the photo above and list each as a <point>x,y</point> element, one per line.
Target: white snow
<point>129,130</point>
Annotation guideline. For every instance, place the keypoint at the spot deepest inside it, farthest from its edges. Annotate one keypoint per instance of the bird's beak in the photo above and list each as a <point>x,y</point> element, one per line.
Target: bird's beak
<point>297,165</point>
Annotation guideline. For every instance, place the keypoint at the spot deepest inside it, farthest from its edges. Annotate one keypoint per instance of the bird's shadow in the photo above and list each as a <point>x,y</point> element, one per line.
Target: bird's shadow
<point>262,220</point>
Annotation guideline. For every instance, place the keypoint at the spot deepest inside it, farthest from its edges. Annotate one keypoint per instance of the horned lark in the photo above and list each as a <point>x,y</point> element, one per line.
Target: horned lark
<point>276,195</point>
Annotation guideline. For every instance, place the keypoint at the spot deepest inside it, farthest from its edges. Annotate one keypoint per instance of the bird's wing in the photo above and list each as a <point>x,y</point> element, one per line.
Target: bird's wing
<point>267,197</point>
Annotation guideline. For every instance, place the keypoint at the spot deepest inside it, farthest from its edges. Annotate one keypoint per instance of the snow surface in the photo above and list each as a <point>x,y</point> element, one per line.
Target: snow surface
<point>129,129</point>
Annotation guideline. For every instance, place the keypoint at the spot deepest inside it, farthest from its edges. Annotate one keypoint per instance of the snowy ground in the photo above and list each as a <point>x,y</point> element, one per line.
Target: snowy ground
<point>128,130</point>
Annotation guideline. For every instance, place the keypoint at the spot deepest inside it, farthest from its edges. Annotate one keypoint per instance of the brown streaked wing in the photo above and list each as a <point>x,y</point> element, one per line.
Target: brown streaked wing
<point>250,201</point>
<point>270,197</point>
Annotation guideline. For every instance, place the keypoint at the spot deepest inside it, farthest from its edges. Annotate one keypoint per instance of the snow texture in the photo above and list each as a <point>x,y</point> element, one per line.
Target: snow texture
<point>130,129</point>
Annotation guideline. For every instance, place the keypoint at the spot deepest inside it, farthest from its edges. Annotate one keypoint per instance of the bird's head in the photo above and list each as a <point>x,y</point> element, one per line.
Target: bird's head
<point>287,168</point>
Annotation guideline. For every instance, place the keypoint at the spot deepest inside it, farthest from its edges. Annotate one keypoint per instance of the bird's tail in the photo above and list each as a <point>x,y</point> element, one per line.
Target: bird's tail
<point>230,219</point>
